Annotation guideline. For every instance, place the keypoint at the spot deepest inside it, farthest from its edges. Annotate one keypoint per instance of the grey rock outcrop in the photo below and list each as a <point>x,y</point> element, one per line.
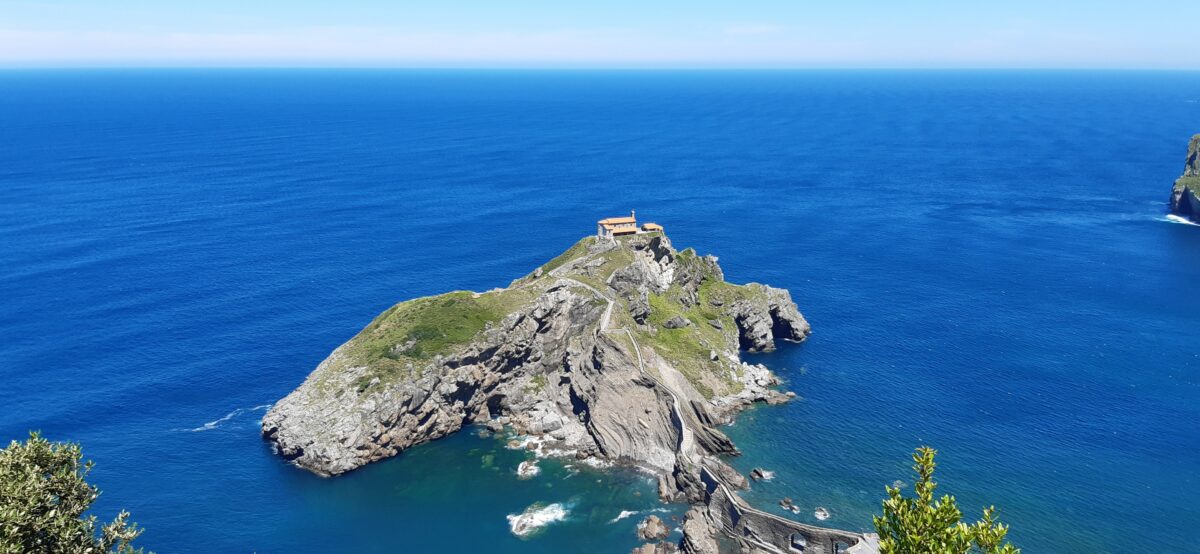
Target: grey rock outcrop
<point>330,433</point>
<point>768,315</point>
<point>698,534</point>
<point>676,322</point>
<point>1186,202</point>
<point>652,529</point>
<point>657,548</point>
<point>760,474</point>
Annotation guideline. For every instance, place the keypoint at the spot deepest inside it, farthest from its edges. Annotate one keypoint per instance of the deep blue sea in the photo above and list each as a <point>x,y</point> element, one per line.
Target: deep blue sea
<point>983,256</point>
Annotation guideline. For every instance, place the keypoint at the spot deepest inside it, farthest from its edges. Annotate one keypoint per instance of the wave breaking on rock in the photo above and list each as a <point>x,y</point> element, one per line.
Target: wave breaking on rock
<point>535,517</point>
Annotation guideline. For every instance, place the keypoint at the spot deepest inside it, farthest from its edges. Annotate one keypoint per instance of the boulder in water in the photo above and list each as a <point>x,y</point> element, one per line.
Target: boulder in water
<point>652,529</point>
<point>760,474</point>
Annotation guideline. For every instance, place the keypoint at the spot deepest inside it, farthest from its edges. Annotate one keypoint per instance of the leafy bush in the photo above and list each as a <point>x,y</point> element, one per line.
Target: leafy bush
<point>43,496</point>
<point>922,525</point>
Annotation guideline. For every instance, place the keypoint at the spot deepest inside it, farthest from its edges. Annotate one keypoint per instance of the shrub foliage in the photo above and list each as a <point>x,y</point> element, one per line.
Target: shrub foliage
<point>43,497</point>
<point>922,525</point>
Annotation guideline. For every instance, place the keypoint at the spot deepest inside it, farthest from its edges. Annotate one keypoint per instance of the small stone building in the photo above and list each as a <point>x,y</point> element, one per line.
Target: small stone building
<point>612,227</point>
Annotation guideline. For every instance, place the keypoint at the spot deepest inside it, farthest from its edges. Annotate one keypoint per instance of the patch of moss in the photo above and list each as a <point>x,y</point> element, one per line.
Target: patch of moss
<point>725,293</point>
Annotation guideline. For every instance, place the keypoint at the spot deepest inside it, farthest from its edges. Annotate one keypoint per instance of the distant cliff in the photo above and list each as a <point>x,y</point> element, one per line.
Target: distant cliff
<point>1185,198</point>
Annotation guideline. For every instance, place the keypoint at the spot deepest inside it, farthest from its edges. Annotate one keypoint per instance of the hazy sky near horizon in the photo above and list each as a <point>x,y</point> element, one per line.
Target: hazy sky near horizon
<point>1160,34</point>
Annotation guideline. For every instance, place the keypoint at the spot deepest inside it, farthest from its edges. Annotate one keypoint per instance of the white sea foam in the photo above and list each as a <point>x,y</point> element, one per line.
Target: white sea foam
<point>537,445</point>
<point>535,517</point>
<point>624,514</point>
<point>1179,219</point>
<point>630,513</point>
<point>227,417</point>
<point>540,447</point>
<point>595,462</point>
<point>528,469</point>
<point>821,513</point>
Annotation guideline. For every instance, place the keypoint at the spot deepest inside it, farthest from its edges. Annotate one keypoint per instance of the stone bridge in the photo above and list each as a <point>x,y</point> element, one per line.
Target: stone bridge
<point>765,532</point>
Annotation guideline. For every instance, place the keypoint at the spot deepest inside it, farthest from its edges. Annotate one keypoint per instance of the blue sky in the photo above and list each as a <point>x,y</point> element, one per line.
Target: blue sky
<point>611,33</point>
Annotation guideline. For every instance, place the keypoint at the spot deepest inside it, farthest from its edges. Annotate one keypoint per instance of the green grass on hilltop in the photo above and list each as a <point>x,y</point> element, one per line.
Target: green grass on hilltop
<point>575,251</point>
<point>687,348</point>
<point>1191,183</point>
<point>402,339</point>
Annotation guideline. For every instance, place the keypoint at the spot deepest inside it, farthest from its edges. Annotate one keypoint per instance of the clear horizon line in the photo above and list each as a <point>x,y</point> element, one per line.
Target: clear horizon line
<point>597,67</point>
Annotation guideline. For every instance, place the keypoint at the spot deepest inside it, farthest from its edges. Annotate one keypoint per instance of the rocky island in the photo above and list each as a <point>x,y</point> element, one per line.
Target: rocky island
<point>622,349</point>
<point>1185,197</point>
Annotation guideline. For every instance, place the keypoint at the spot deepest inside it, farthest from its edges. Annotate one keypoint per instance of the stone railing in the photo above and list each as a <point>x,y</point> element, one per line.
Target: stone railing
<point>771,533</point>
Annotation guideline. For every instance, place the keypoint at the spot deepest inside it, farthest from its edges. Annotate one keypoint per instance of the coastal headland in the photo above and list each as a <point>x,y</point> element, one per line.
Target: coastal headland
<point>1185,195</point>
<point>621,350</point>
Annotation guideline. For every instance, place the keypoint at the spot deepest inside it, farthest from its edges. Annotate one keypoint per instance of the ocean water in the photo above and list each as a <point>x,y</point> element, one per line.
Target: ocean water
<point>984,258</point>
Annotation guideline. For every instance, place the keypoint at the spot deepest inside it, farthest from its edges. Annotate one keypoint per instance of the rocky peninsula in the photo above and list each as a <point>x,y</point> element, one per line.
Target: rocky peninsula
<point>1185,196</point>
<point>621,349</point>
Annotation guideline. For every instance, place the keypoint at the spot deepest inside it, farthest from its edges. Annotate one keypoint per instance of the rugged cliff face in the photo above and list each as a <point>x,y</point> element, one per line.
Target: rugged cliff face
<point>1185,197</point>
<point>625,351</point>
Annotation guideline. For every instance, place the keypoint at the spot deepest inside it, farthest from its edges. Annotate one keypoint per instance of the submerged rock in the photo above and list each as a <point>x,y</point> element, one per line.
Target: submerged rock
<point>535,517</point>
<point>528,469</point>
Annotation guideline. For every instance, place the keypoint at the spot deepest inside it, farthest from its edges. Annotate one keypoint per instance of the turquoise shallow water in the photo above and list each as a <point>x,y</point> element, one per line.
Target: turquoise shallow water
<point>983,256</point>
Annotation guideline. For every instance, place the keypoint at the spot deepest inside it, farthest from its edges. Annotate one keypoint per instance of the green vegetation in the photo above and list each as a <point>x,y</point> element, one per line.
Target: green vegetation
<point>688,348</point>
<point>422,328</point>
<point>538,382</point>
<point>725,293</point>
<point>922,525</point>
<point>611,261</point>
<point>1191,182</point>
<point>404,340</point>
<point>43,496</point>
<point>411,333</point>
<point>579,249</point>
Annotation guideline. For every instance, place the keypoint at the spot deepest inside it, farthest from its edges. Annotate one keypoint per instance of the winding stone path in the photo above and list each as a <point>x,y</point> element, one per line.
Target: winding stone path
<point>768,531</point>
<point>687,445</point>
